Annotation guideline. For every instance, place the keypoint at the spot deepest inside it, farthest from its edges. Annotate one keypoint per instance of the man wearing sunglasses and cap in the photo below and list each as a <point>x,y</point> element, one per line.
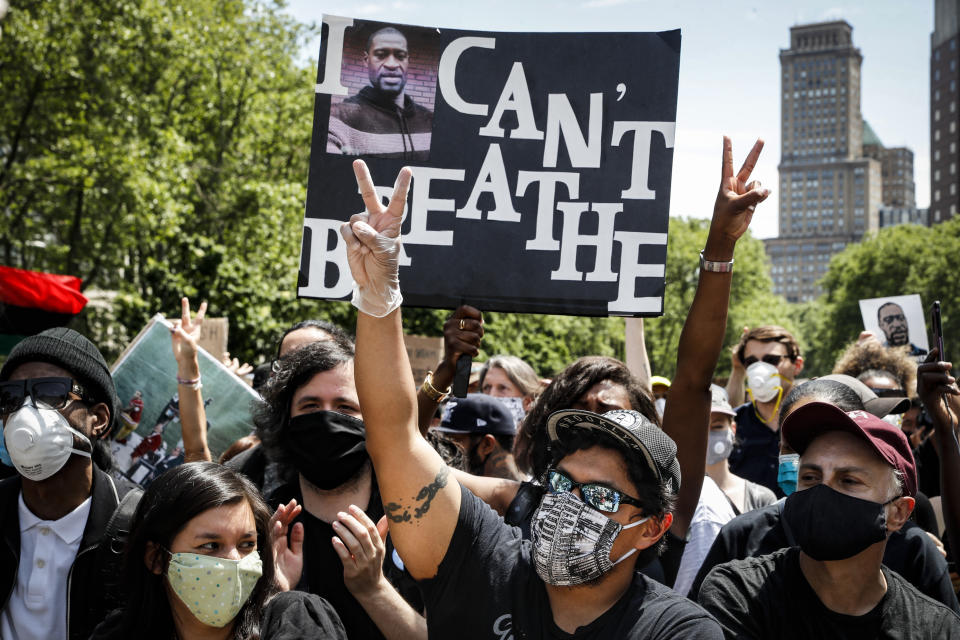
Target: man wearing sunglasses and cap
<point>856,485</point>
<point>57,399</point>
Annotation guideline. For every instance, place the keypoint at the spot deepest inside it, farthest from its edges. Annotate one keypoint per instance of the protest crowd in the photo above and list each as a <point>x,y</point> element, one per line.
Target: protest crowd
<point>603,502</point>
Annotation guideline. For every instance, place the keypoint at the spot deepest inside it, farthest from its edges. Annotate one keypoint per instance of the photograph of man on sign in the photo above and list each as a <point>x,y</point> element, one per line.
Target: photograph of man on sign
<point>391,115</point>
<point>897,321</point>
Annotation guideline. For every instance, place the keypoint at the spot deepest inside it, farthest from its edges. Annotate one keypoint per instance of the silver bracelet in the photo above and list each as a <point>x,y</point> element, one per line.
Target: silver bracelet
<point>716,267</point>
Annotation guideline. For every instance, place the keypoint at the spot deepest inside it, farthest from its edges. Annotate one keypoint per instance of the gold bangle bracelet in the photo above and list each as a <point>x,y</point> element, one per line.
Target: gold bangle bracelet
<point>432,392</point>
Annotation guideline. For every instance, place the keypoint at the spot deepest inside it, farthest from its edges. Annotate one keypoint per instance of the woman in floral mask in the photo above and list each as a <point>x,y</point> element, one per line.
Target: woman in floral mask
<point>197,566</point>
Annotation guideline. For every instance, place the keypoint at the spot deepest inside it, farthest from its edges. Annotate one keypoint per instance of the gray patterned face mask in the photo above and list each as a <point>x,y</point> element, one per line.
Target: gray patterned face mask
<point>572,541</point>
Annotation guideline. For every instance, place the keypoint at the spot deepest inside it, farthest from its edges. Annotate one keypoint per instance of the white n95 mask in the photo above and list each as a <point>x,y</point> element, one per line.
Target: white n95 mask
<point>39,440</point>
<point>763,381</point>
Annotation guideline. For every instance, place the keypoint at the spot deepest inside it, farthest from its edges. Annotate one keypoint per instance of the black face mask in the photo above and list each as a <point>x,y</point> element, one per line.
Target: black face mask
<point>328,448</point>
<point>829,525</point>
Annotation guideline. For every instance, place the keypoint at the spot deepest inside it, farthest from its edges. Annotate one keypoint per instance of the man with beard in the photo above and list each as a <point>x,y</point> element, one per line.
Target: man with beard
<point>382,121</point>
<point>893,323</point>
<point>311,428</point>
<point>484,429</point>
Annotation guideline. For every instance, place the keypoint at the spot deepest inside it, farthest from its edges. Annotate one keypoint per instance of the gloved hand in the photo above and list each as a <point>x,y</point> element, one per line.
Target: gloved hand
<point>373,245</point>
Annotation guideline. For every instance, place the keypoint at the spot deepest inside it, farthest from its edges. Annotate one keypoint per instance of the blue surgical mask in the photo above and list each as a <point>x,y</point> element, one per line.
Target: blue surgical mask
<point>787,472</point>
<point>4,455</point>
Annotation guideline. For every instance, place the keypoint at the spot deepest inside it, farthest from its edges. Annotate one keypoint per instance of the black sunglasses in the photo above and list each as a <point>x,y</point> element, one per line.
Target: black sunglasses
<point>770,358</point>
<point>889,393</point>
<point>53,392</point>
<point>597,496</point>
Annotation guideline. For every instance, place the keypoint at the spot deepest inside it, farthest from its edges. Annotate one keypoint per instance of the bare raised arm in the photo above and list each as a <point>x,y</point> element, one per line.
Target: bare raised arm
<point>420,497</point>
<point>193,417</point>
<point>687,413</point>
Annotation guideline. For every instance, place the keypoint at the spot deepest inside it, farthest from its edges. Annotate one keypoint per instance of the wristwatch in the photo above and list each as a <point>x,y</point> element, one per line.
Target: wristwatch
<point>716,267</point>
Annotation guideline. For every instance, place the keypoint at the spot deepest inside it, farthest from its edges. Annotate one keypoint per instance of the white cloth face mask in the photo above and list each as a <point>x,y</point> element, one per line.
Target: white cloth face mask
<point>39,440</point>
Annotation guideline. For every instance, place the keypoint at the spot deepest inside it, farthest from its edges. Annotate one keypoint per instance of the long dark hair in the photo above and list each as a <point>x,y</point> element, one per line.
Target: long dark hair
<point>531,448</point>
<point>168,504</point>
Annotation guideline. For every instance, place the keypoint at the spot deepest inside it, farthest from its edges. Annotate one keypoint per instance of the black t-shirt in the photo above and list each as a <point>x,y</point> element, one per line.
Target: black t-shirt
<point>487,588</point>
<point>909,552</point>
<point>756,454</point>
<point>294,615</point>
<point>769,597</point>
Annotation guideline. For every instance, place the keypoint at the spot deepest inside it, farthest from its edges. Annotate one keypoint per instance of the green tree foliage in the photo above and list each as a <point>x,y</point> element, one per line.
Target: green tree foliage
<point>899,260</point>
<point>158,149</point>
<point>752,301</point>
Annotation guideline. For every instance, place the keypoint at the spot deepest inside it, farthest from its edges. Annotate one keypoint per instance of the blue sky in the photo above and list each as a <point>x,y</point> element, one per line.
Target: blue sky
<point>729,69</point>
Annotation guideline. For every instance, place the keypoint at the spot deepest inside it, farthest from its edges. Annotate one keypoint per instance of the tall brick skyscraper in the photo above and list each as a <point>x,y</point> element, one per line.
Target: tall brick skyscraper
<point>830,192</point>
<point>944,110</point>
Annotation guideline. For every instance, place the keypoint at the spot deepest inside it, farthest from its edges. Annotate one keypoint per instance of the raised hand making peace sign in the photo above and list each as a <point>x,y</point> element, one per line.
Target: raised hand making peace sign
<point>373,244</point>
<point>736,201</point>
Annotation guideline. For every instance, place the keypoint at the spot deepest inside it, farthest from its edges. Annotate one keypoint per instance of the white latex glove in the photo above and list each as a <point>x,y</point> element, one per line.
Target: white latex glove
<point>373,244</point>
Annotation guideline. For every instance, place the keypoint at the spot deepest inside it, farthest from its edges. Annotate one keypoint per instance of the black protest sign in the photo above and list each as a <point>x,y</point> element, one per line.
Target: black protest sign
<point>541,164</point>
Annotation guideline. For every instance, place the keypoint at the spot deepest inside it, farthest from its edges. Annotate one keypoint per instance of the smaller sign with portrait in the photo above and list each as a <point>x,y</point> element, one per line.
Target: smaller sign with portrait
<point>897,321</point>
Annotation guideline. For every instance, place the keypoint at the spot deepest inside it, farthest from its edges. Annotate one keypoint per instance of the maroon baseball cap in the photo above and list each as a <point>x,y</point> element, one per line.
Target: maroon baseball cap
<point>816,418</point>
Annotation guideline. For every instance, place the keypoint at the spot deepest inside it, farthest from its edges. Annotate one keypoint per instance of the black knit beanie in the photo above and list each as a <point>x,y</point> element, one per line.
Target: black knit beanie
<point>68,349</point>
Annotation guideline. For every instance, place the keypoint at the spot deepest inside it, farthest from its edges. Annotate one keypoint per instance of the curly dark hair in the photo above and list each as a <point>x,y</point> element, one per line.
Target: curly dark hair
<point>293,370</point>
<point>656,497</point>
<point>896,362</point>
<point>532,449</point>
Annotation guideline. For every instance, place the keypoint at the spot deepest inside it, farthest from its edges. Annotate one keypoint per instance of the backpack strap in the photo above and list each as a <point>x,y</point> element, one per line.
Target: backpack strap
<point>112,548</point>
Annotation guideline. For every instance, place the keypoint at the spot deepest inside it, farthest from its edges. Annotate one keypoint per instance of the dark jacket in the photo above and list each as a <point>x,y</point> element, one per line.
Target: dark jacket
<point>88,601</point>
<point>371,124</point>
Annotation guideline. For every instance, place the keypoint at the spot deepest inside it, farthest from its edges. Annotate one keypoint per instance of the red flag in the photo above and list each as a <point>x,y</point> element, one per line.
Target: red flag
<point>44,291</point>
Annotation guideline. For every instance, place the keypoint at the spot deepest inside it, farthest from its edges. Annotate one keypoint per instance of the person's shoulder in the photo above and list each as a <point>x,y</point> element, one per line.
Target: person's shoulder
<point>662,611</point>
<point>418,108</point>
<point>762,496</point>
<point>297,614</point>
<point>9,488</point>
<point>908,596</point>
<point>753,567</point>
<point>746,415</point>
<point>753,522</point>
<point>713,505</point>
<point>912,537</point>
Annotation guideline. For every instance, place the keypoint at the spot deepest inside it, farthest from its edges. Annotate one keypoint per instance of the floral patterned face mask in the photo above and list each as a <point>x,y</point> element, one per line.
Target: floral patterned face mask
<point>214,589</point>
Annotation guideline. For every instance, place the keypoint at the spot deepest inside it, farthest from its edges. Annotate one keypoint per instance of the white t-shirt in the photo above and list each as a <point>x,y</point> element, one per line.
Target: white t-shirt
<point>712,512</point>
<point>37,609</point>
